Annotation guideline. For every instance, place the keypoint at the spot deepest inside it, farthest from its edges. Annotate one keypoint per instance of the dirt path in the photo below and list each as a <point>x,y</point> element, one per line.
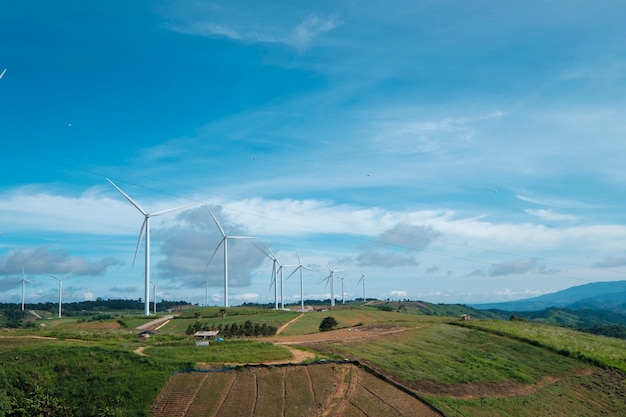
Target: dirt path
<point>284,326</point>
<point>139,351</point>
<point>154,324</point>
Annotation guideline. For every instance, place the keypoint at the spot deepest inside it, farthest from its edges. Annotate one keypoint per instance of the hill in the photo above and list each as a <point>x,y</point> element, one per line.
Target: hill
<point>609,296</point>
<point>481,367</point>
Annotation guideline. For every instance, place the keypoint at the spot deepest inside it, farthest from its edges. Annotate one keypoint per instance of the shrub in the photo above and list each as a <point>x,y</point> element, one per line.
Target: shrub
<point>328,323</point>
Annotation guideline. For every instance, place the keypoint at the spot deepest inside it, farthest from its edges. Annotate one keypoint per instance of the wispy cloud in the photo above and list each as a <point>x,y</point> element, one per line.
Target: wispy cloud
<point>47,260</point>
<point>551,215</point>
<point>515,267</point>
<point>255,25</point>
<point>312,27</point>
<point>429,136</point>
<point>611,262</point>
<point>554,202</point>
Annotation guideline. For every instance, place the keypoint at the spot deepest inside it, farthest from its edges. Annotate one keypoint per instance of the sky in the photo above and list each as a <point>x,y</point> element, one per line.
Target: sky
<point>450,151</point>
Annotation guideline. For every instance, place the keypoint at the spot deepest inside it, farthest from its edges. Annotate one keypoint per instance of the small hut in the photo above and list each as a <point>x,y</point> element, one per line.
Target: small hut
<point>204,336</point>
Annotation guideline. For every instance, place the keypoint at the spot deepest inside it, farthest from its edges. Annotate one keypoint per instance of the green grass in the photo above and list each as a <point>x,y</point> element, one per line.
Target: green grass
<point>452,355</point>
<point>228,351</point>
<point>87,378</point>
<point>95,371</point>
<point>597,350</point>
<point>349,317</point>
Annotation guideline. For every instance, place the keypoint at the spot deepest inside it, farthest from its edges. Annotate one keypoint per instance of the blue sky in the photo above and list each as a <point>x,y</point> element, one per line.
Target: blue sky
<point>453,151</point>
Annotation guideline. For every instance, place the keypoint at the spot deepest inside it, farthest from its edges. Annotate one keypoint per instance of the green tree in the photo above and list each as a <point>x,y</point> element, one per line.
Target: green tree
<point>328,323</point>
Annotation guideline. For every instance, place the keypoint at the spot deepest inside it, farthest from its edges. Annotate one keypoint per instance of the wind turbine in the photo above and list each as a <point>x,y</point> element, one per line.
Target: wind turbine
<point>343,291</point>
<point>224,242</point>
<point>145,228</point>
<point>362,279</point>
<point>23,281</point>
<point>154,285</point>
<point>275,262</point>
<point>60,290</point>
<point>282,284</point>
<point>331,278</point>
<point>300,267</point>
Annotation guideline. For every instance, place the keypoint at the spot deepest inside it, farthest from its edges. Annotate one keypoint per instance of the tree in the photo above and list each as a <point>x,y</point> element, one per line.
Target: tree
<point>328,323</point>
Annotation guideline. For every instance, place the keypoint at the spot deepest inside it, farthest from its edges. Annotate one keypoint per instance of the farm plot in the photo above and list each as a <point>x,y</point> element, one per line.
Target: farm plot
<point>323,390</point>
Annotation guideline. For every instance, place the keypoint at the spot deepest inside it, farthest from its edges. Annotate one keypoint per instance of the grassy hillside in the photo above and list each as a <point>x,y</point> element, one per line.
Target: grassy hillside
<point>475,368</point>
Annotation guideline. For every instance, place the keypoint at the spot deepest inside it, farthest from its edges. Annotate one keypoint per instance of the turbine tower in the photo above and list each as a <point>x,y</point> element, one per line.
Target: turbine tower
<point>300,267</point>
<point>362,279</point>
<point>224,242</point>
<point>145,229</point>
<point>154,304</point>
<point>343,291</point>
<point>282,284</point>
<point>60,290</point>
<point>331,278</point>
<point>275,262</point>
<point>23,281</point>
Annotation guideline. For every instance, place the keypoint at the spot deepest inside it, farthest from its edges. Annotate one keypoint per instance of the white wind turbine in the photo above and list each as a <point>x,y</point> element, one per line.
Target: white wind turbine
<point>275,262</point>
<point>282,284</point>
<point>343,290</point>
<point>23,281</point>
<point>362,279</point>
<point>145,228</point>
<point>331,278</point>
<point>300,267</point>
<point>224,242</point>
<point>60,290</point>
<point>154,304</point>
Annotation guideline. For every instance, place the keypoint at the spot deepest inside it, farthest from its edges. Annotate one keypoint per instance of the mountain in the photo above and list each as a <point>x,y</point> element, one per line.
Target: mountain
<point>609,296</point>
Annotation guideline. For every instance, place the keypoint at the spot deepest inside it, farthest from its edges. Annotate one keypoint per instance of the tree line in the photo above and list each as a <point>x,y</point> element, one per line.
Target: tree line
<point>246,329</point>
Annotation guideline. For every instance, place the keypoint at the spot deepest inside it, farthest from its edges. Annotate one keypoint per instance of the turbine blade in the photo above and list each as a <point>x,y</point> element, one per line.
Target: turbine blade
<point>3,72</point>
<point>143,228</point>
<point>241,237</point>
<point>158,213</point>
<point>133,202</point>
<point>299,259</point>
<point>294,271</point>
<point>263,250</point>
<point>55,277</point>
<point>219,226</point>
<point>214,252</point>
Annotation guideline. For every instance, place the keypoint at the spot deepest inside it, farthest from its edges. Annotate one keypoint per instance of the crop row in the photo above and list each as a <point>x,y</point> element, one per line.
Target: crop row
<point>291,391</point>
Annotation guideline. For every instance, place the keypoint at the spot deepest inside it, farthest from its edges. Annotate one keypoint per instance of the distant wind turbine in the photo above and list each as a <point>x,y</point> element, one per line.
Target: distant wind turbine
<point>60,290</point>
<point>362,279</point>
<point>145,228</point>
<point>224,242</point>
<point>23,281</point>
<point>331,279</point>
<point>280,271</point>
<point>343,290</point>
<point>154,285</point>
<point>275,262</point>
<point>300,267</point>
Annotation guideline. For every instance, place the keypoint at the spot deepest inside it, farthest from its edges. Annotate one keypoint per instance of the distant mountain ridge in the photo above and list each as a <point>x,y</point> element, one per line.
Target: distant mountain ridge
<point>609,296</point>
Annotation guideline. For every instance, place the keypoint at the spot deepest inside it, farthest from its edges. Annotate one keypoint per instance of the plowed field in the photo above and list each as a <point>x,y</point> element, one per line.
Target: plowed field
<point>322,390</point>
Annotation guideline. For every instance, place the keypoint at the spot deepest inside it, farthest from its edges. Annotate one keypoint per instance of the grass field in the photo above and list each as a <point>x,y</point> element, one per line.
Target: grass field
<point>476,368</point>
<point>598,350</point>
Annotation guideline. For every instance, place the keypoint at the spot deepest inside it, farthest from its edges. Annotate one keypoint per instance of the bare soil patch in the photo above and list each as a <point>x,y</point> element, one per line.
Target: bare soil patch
<point>321,390</point>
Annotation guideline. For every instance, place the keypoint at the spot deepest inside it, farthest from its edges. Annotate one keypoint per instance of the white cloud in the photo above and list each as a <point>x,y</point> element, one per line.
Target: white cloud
<point>312,27</point>
<point>397,294</point>
<point>551,215</point>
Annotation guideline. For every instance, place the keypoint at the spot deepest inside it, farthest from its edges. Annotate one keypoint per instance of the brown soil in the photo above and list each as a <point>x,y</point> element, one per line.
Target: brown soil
<point>335,390</point>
